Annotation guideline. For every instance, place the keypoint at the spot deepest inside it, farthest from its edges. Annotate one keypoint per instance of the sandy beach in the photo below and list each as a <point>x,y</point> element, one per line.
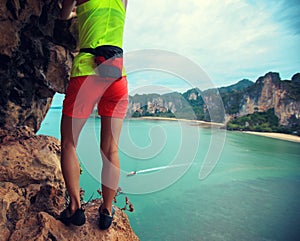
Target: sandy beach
<point>195,122</point>
<point>281,136</point>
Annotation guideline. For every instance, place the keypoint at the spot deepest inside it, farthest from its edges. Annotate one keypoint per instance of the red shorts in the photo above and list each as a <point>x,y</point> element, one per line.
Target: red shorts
<point>84,92</point>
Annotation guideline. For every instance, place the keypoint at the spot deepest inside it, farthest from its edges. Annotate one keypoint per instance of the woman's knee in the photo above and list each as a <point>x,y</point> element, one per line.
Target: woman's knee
<point>67,143</point>
<point>110,154</point>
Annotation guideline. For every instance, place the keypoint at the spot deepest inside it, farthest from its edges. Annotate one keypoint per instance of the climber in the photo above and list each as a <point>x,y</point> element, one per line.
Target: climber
<point>97,78</point>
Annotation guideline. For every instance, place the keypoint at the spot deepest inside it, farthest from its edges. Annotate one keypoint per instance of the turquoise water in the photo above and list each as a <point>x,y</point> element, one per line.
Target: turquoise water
<point>252,194</point>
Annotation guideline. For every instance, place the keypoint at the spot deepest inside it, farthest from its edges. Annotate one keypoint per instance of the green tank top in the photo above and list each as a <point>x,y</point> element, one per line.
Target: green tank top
<point>100,22</point>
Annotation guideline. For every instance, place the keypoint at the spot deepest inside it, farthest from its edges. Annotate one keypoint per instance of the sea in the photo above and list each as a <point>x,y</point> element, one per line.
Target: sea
<point>191,182</point>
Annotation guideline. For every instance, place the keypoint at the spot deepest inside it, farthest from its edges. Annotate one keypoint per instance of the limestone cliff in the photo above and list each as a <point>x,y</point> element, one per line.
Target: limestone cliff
<point>193,104</point>
<point>269,92</point>
<point>32,194</point>
<point>33,62</point>
<point>243,98</point>
<point>35,59</point>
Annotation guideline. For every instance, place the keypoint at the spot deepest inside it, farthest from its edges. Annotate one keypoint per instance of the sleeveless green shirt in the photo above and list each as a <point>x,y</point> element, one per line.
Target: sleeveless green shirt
<point>100,22</point>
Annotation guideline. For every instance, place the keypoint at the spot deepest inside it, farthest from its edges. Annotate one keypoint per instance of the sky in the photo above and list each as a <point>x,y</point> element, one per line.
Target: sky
<point>229,40</point>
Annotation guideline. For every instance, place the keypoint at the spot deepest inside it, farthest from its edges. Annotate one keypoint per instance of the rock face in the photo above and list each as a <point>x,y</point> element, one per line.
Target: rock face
<point>32,194</point>
<point>243,98</point>
<point>33,62</point>
<point>36,52</point>
<point>269,92</point>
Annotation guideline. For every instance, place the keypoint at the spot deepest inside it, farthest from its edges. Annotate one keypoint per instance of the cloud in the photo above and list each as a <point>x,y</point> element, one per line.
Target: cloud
<point>285,13</point>
<point>230,39</point>
<point>166,68</point>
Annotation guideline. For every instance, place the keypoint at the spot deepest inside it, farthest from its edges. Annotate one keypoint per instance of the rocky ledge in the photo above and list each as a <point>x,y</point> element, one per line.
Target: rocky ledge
<point>36,52</point>
<point>32,194</point>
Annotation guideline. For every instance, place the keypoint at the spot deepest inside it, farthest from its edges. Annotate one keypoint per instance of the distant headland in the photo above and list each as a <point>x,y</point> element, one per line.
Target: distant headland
<point>267,105</point>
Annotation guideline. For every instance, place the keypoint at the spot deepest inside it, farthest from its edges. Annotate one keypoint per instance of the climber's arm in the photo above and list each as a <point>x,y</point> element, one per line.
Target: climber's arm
<point>125,3</point>
<point>67,10</point>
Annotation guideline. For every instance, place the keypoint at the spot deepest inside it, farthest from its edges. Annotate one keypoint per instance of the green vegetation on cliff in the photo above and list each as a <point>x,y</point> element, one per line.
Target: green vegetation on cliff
<point>279,98</point>
<point>259,121</point>
<point>144,112</point>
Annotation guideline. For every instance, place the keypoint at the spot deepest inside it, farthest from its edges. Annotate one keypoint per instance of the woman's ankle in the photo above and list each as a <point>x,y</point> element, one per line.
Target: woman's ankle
<point>73,206</point>
<point>107,207</point>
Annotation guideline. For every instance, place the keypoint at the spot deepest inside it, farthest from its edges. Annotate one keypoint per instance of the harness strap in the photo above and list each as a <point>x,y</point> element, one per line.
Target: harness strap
<point>109,60</point>
<point>106,51</point>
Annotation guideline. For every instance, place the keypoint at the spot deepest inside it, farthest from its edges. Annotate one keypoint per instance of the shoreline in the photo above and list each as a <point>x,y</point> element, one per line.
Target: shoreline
<point>196,122</point>
<point>274,135</point>
<point>280,136</point>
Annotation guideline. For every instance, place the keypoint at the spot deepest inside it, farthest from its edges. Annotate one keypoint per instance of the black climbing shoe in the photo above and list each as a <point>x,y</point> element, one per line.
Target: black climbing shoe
<point>105,219</point>
<point>78,218</point>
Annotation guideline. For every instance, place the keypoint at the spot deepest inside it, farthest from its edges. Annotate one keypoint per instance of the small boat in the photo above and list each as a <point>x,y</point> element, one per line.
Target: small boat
<point>131,173</point>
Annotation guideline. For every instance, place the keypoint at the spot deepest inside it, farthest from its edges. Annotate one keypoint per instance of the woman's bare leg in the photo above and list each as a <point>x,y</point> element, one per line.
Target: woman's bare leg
<point>70,130</point>
<point>110,133</point>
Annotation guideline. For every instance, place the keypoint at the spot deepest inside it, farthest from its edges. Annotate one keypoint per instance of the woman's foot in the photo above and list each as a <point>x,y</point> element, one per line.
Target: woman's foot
<point>106,218</point>
<point>77,218</point>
